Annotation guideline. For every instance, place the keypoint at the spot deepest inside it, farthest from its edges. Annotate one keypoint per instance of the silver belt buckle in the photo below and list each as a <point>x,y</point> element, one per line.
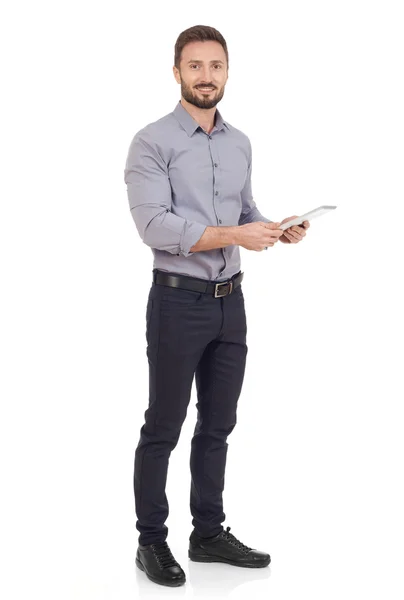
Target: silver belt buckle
<point>217,285</point>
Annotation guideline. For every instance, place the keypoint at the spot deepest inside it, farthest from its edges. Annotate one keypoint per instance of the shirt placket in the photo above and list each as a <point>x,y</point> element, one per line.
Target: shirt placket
<point>216,190</point>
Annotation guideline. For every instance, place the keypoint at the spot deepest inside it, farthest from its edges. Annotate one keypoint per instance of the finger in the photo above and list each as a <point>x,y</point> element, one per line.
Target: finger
<point>297,236</point>
<point>289,237</point>
<point>274,237</point>
<point>288,219</point>
<point>294,236</point>
<point>298,232</point>
<point>297,229</point>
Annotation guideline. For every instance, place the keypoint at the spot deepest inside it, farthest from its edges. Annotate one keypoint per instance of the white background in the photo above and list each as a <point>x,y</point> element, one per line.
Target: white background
<point>314,471</point>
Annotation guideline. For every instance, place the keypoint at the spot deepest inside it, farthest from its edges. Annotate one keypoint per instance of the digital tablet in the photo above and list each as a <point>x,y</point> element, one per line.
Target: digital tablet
<point>317,212</point>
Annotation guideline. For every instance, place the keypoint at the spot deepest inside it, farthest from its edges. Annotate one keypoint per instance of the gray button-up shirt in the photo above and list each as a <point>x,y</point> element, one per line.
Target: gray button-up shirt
<point>180,179</point>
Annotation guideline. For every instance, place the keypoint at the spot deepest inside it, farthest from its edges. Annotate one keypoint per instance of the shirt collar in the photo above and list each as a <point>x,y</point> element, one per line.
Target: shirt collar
<point>189,123</point>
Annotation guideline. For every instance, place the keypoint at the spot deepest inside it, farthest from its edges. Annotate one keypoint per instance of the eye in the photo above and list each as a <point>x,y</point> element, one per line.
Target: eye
<point>191,66</point>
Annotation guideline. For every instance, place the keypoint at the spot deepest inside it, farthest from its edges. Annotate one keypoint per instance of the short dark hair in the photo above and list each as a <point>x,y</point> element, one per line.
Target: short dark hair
<point>198,33</point>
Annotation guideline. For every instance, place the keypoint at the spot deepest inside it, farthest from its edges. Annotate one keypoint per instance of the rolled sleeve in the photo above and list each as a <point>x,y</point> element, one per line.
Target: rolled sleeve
<point>191,233</point>
<point>149,196</point>
<point>249,210</point>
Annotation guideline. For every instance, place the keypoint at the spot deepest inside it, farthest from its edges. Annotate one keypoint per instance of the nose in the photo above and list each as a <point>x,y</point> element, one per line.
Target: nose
<point>206,75</point>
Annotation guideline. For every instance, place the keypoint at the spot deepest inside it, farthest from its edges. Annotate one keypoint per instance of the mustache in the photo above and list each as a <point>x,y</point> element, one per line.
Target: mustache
<point>203,86</point>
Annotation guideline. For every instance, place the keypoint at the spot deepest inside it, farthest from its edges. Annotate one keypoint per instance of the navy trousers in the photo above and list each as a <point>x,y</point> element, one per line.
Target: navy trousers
<point>189,334</point>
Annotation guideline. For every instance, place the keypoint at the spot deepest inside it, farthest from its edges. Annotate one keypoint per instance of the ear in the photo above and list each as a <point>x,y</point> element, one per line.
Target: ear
<point>176,74</point>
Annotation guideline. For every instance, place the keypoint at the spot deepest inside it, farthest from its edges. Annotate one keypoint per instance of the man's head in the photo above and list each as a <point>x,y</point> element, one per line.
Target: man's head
<point>201,59</point>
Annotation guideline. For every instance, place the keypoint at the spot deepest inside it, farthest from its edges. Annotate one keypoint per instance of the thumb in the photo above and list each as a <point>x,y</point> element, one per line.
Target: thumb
<point>273,225</point>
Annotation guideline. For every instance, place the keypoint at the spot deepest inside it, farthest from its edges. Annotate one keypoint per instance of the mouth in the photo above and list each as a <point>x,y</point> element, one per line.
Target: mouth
<point>205,90</point>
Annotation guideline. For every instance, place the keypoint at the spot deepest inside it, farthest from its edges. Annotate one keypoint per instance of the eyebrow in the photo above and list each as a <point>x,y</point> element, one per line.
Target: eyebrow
<point>200,61</point>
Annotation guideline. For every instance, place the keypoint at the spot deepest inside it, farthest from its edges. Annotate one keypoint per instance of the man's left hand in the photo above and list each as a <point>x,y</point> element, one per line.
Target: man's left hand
<point>294,234</point>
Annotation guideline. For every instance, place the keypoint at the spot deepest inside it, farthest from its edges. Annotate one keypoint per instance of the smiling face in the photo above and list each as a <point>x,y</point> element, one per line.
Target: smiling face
<point>203,64</point>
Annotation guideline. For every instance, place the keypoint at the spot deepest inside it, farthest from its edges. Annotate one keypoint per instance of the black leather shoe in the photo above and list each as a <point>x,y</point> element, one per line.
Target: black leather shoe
<point>159,564</point>
<point>224,547</point>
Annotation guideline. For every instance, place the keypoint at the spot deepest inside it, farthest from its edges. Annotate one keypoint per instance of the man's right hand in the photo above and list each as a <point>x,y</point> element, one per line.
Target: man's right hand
<point>259,235</point>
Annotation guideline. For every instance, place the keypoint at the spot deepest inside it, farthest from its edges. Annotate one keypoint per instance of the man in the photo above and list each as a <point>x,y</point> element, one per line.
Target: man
<point>188,179</point>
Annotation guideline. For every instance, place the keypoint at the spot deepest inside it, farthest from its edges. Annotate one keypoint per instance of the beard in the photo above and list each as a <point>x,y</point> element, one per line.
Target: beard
<point>200,100</point>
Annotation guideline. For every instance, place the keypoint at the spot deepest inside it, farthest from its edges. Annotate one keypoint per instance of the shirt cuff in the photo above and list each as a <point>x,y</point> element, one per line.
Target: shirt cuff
<point>191,233</point>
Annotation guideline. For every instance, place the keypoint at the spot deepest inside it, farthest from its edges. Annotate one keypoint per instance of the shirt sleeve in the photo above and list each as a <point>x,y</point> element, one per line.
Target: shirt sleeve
<point>149,195</point>
<point>249,209</point>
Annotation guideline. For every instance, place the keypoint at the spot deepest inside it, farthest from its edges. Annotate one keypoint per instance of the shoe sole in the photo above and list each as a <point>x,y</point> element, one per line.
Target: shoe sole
<point>168,583</point>
<point>206,558</point>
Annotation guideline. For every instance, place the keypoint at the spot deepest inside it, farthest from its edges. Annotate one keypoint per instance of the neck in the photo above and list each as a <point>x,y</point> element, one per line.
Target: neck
<point>205,117</point>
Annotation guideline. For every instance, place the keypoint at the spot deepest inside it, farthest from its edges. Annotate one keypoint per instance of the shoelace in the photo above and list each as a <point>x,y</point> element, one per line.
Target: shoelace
<point>232,539</point>
<point>163,554</point>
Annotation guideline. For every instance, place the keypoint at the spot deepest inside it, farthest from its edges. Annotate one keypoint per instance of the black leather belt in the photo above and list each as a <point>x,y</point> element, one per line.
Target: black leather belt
<point>218,290</point>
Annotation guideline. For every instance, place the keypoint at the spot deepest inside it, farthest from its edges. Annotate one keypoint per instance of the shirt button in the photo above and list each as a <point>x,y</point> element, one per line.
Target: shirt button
<point>216,193</point>
<point>220,221</point>
<point>215,164</point>
<point>210,137</point>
